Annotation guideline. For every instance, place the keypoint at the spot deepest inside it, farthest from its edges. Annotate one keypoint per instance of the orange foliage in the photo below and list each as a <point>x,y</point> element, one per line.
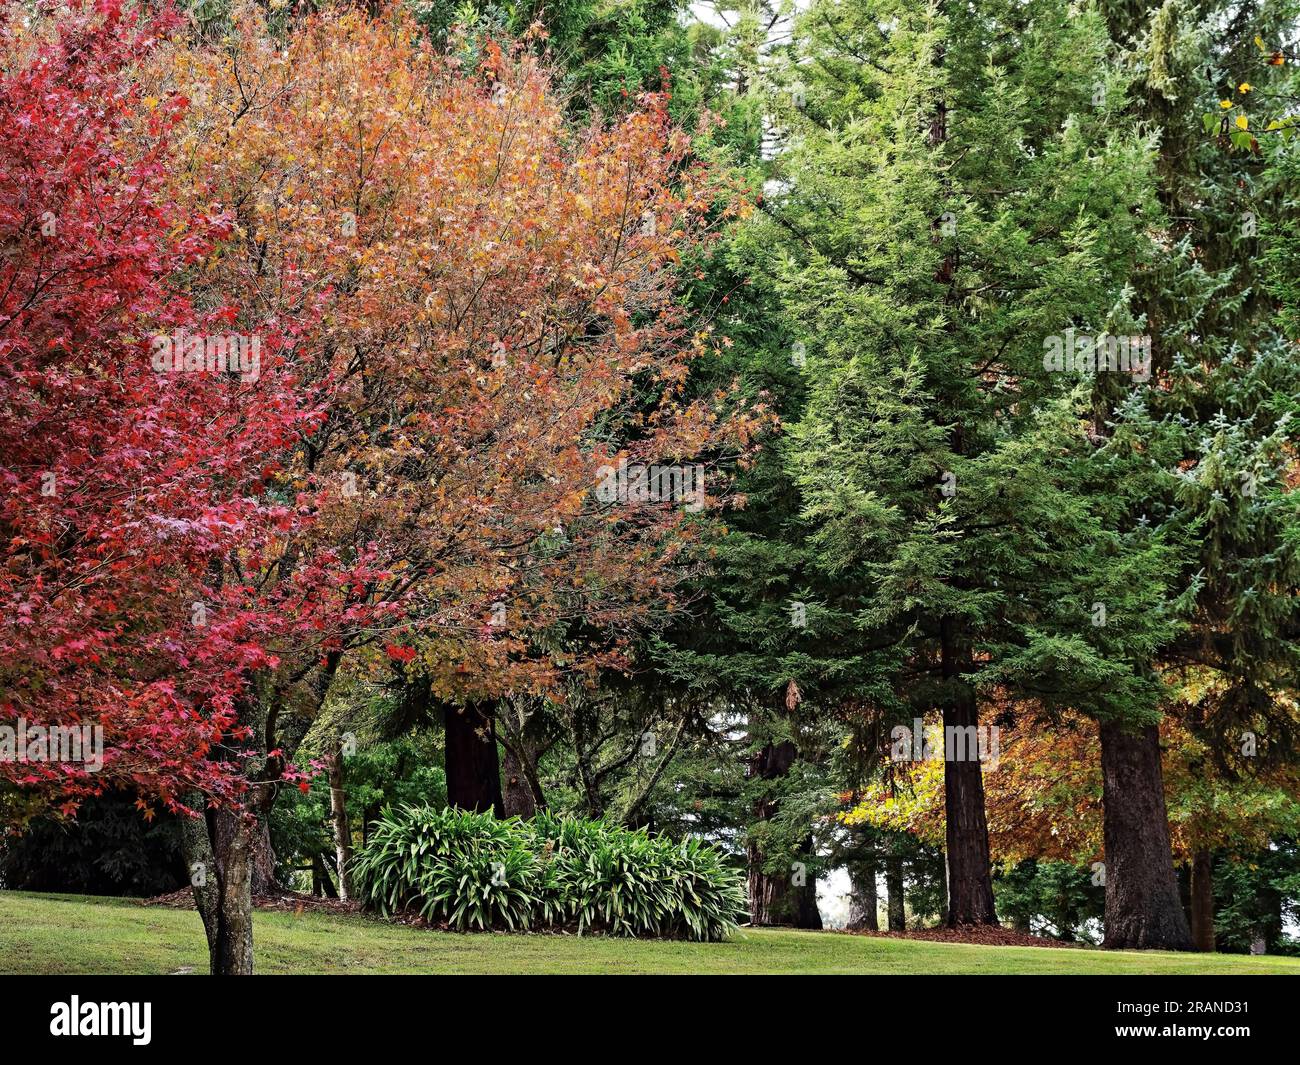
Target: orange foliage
<point>486,303</point>
<point>1043,796</point>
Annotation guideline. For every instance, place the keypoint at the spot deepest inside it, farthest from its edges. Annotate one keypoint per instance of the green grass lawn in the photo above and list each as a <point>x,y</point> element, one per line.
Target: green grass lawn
<point>77,934</point>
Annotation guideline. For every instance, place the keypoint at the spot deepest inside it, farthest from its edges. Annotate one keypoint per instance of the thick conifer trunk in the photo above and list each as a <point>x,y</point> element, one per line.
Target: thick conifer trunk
<point>970,877</point>
<point>894,891</point>
<point>970,872</point>
<point>776,899</point>
<point>1143,910</point>
<point>473,769</point>
<point>863,900</point>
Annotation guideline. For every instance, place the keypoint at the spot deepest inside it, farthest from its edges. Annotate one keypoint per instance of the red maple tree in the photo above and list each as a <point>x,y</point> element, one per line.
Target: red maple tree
<point>121,484</point>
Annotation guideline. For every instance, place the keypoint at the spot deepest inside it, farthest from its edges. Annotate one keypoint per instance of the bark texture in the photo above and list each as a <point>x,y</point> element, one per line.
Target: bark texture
<point>970,871</point>
<point>894,891</point>
<point>863,900</point>
<point>517,792</point>
<point>473,769</point>
<point>219,850</point>
<point>1143,910</point>
<point>265,881</point>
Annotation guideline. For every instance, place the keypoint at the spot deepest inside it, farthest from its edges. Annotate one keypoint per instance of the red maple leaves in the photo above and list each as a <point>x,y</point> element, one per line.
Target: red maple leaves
<point>121,485</point>
<point>279,388</point>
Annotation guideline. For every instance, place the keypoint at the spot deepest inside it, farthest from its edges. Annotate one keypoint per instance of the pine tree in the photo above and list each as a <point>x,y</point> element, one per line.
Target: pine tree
<point>956,195</point>
<point>1214,431</point>
<point>764,643</point>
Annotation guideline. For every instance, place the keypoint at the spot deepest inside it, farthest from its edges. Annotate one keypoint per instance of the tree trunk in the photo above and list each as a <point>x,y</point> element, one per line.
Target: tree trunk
<point>788,899</point>
<point>321,883</point>
<point>787,896</point>
<point>218,849</point>
<point>517,793</point>
<point>201,863</point>
<point>473,771</point>
<point>943,888</point>
<point>894,891</point>
<point>863,900</point>
<point>229,851</point>
<point>232,844</point>
<point>807,915</point>
<point>969,868</point>
<point>1142,906</point>
<point>521,750</point>
<point>1202,901</point>
<point>339,815</point>
<point>264,881</point>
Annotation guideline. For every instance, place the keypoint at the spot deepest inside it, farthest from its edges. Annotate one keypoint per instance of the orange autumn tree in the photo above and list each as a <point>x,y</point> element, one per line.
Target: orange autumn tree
<point>1043,796</point>
<point>482,304</point>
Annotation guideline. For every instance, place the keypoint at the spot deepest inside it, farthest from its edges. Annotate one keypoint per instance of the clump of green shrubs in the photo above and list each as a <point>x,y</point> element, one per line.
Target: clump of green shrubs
<point>472,871</point>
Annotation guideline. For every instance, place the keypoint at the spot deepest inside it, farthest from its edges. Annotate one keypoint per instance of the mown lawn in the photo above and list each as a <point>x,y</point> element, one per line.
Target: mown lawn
<point>74,934</point>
